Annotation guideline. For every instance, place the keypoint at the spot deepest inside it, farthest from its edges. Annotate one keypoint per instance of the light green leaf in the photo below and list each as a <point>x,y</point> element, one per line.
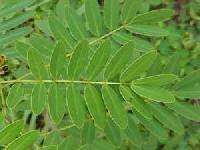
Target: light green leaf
<point>157,80</point>
<point>14,95</point>
<point>154,16</point>
<point>24,142</point>
<point>147,30</point>
<point>38,98</point>
<point>187,110</point>
<point>119,61</point>
<point>138,67</point>
<point>78,60</point>
<point>75,104</point>
<point>22,49</point>
<point>15,7</point>
<point>14,22</point>
<point>129,10</point>
<point>88,133</point>
<point>75,24</point>
<point>95,105</point>
<point>114,105</point>
<point>138,103</point>
<point>36,65</point>
<point>113,133</point>
<point>93,17</point>
<point>154,127</point>
<point>60,32</point>
<point>14,35</point>
<point>10,132</point>
<point>47,46</point>
<point>52,147</point>
<point>154,93</point>
<point>99,60</point>
<point>57,60</point>
<point>133,133</point>
<point>56,102</point>
<point>111,13</point>
<point>192,92</point>
<point>167,118</point>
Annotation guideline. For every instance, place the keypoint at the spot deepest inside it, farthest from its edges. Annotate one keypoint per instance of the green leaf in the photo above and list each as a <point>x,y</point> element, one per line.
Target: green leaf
<point>24,142</point>
<point>14,35</point>
<point>167,118</point>
<point>129,10</point>
<point>10,132</point>
<point>111,13</point>
<point>185,109</point>
<point>93,17</point>
<point>154,16</point>
<point>99,60</point>
<point>14,22</point>
<point>14,96</point>
<point>47,46</point>
<point>139,66</point>
<point>75,24</point>
<point>147,30</point>
<point>57,60</point>
<point>22,49</point>
<point>38,98</point>
<point>138,103</point>
<point>154,127</point>
<point>192,92</point>
<point>75,104</point>
<point>113,133</point>
<point>56,102</point>
<point>119,61</point>
<point>15,7</point>
<point>157,80</point>
<point>114,105</point>
<point>88,133</point>
<point>154,93</point>
<point>60,32</point>
<point>78,60</point>
<point>36,65</point>
<point>133,133</point>
<point>95,105</point>
<point>52,147</point>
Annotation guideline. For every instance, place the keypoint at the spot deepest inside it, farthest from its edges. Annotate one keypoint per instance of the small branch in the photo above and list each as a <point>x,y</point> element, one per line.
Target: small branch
<point>60,81</point>
<point>4,106</point>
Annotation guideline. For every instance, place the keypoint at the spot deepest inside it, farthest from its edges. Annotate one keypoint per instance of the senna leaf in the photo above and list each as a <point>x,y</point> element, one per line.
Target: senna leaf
<point>154,93</point>
<point>154,127</point>
<point>88,133</point>
<point>38,98</point>
<point>113,133</point>
<point>93,17</point>
<point>24,142</point>
<point>60,32</point>
<point>185,109</point>
<point>119,60</point>
<point>78,60</point>
<point>56,102</point>
<point>75,24</point>
<point>167,118</point>
<point>14,96</point>
<point>10,132</point>
<point>14,35</point>
<point>95,105</point>
<point>133,133</point>
<point>157,80</point>
<point>129,10</point>
<point>57,60</point>
<point>111,13</point>
<point>147,30</point>
<point>154,16</point>
<point>138,67</point>
<point>14,22</point>
<point>99,60</point>
<point>36,65</point>
<point>114,105</point>
<point>75,104</point>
